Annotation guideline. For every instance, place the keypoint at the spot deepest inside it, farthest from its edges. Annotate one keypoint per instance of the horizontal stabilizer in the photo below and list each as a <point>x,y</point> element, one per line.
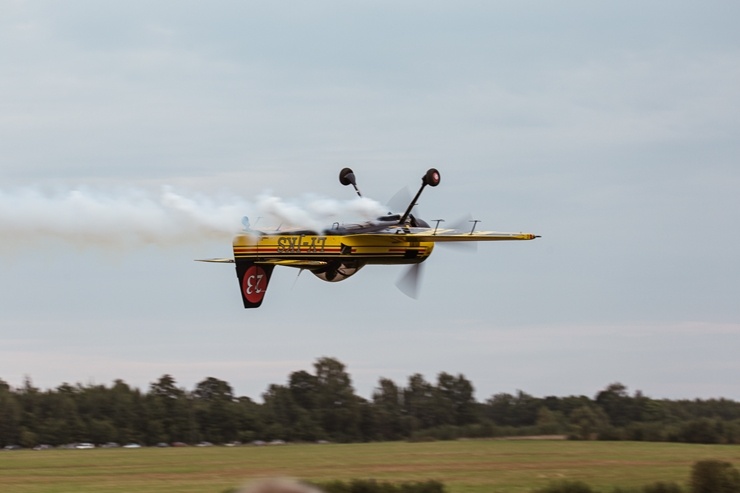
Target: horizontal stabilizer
<point>304,264</point>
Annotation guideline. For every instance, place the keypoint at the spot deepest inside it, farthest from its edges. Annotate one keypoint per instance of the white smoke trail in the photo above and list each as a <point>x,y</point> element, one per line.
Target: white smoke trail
<point>134,217</point>
<point>316,213</point>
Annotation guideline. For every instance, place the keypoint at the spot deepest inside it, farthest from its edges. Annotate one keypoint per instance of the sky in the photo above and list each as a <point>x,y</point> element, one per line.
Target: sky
<point>135,135</point>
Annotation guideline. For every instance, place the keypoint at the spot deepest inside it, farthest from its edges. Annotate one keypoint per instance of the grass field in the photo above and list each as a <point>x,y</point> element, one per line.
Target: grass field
<point>471,466</point>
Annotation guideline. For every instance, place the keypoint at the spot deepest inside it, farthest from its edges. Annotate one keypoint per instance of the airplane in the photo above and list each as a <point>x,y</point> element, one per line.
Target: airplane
<point>340,251</point>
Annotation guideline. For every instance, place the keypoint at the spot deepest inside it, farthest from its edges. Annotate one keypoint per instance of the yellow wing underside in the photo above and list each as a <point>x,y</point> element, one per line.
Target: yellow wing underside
<point>443,236</point>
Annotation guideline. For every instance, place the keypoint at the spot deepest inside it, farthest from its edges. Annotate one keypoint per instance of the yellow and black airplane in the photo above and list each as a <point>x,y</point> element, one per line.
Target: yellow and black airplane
<point>338,252</point>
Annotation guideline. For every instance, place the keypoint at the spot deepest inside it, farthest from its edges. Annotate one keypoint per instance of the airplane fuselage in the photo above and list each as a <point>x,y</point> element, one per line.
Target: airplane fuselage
<point>301,249</point>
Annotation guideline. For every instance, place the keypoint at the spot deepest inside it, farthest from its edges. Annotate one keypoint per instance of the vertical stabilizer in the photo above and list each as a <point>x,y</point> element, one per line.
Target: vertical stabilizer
<point>253,281</point>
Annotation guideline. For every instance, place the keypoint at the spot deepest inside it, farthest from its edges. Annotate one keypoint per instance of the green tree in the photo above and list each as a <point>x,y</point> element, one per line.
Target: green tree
<point>336,404</point>
<point>29,400</point>
<point>213,389</point>
<point>714,476</point>
<point>509,410</point>
<point>284,419</point>
<point>586,422</point>
<point>388,407</point>
<point>549,422</point>
<point>456,403</point>
<point>101,431</point>
<point>420,402</point>
<point>702,430</point>
<point>215,410</point>
<point>566,486</point>
<point>248,416</point>
<point>617,404</point>
<point>169,412</point>
<point>63,423</point>
<point>166,389</point>
<point>123,411</point>
<point>10,416</point>
<point>304,389</point>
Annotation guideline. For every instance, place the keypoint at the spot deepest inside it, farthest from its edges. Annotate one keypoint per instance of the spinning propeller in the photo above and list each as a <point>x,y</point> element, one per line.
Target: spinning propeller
<point>409,282</point>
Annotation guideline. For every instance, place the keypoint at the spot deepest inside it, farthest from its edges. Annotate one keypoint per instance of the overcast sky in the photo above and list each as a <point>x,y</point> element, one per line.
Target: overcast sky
<point>134,135</point>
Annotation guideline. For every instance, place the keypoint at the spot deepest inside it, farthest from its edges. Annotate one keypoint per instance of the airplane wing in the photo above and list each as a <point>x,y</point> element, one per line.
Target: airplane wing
<point>306,264</point>
<point>449,235</point>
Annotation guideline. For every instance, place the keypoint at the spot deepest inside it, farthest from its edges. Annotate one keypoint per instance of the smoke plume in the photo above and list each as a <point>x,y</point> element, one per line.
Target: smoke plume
<point>134,217</point>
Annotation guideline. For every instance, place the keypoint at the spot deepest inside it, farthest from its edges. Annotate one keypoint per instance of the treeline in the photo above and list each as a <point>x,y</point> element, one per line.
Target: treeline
<point>323,406</point>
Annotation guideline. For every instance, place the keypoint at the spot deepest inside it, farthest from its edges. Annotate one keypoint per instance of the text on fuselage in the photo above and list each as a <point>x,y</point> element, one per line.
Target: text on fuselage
<point>301,244</point>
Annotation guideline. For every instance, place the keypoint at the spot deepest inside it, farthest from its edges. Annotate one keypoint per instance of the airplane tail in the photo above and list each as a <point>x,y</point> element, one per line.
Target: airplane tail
<point>253,281</point>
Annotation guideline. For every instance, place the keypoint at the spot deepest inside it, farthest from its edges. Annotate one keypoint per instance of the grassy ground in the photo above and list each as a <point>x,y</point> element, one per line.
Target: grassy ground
<point>491,466</point>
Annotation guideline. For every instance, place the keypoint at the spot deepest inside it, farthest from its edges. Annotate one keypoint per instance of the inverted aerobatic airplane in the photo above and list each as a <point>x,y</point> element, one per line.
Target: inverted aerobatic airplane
<point>338,252</point>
